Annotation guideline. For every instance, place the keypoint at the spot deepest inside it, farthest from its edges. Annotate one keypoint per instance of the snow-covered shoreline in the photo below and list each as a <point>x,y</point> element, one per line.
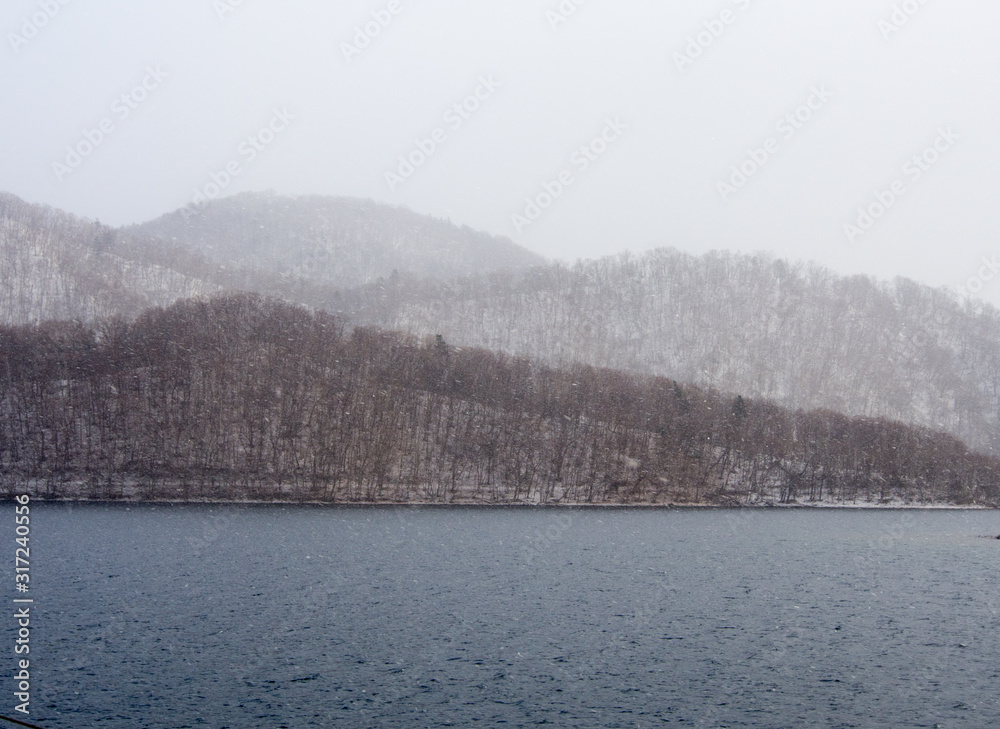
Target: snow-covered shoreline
<point>822,505</point>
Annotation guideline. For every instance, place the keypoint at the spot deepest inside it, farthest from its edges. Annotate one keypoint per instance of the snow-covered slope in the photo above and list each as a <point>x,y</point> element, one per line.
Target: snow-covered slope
<point>797,334</point>
<point>793,333</point>
<point>56,266</point>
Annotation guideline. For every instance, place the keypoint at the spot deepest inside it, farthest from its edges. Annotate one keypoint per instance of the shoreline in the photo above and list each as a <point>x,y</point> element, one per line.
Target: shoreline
<point>819,506</point>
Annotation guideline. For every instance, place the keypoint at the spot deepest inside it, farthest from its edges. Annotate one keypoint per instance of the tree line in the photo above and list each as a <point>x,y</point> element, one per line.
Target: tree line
<point>243,397</point>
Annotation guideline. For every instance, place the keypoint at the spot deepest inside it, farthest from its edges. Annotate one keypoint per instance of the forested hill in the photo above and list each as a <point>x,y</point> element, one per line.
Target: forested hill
<point>798,334</point>
<point>331,240</point>
<point>242,397</point>
<point>54,265</point>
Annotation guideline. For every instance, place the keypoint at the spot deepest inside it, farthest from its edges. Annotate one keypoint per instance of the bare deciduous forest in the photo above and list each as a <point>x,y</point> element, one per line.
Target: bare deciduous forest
<point>796,334</point>
<point>242,397</point>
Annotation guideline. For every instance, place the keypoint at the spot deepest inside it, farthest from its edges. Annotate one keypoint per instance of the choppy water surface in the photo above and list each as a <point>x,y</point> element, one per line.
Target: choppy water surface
<point>269,616</point>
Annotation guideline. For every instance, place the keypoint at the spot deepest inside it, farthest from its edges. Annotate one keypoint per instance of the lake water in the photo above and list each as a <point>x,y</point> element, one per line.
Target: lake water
<point>270,616</point>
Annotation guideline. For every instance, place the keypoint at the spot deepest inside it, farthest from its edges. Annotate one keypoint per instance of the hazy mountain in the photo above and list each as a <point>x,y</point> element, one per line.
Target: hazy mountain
<point>54,265</point>
<point>798,334</point>
<point>339,241</point>
<point>59,266</point>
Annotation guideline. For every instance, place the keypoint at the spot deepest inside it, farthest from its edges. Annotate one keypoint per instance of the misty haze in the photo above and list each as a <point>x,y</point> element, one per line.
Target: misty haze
<point>426,364</point>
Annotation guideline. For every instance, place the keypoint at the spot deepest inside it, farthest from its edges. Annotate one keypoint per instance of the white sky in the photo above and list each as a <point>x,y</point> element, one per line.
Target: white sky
<point>655,184</point>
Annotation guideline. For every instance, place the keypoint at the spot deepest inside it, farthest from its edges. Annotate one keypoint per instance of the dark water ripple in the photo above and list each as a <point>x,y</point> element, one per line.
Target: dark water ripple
<point>250,617</point>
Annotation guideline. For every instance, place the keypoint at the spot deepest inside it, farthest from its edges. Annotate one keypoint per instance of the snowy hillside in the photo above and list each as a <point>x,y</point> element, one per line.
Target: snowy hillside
<point>798,334</point>
<point>793,333</point>
<point>56,266</point>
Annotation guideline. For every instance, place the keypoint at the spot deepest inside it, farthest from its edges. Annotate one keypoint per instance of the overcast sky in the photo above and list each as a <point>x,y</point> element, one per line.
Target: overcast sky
<point>648,109</point>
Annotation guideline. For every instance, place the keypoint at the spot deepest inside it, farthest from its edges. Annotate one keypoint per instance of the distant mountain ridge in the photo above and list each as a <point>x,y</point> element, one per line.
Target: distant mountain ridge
<point>59,266</point>
<point>332,240</point>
